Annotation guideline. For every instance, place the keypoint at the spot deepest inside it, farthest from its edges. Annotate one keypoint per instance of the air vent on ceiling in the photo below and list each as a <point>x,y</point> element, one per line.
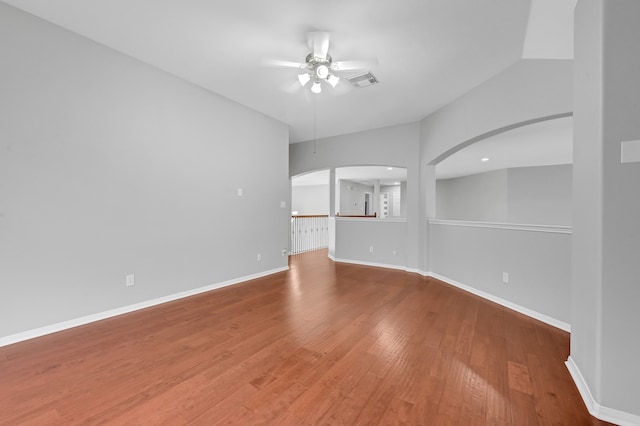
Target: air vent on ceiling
<point>362,80</point>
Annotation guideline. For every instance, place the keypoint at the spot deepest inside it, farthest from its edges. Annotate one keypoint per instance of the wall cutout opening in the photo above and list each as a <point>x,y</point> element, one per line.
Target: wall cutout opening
<point>371,191</point>
<point>520,176</point>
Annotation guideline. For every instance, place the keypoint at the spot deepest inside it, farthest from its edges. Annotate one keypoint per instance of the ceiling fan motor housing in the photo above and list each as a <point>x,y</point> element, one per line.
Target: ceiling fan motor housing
<point>319,67</point>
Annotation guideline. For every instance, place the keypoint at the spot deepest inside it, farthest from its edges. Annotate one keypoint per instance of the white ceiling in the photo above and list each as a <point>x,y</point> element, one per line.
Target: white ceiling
<point>429,52</point>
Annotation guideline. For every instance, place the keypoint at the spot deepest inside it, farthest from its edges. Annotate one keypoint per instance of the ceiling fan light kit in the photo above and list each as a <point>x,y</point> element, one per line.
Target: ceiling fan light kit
<point>318,65</point>
<point>318,69</point>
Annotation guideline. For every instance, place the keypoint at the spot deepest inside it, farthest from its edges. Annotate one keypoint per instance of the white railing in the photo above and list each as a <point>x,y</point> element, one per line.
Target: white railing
<point>309,233</point>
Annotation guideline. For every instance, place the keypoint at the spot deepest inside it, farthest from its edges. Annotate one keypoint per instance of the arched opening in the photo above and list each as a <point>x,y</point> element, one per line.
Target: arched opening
<point>310,205</point>
<point>522,175</point>
<point>502,227</point>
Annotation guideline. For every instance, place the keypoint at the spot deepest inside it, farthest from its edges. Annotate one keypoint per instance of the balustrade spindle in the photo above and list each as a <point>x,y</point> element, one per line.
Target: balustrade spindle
<point>309,233</point>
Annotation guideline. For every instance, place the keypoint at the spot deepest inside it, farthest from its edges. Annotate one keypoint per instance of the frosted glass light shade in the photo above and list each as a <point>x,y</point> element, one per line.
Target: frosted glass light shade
<point>333,80</point>
<point>304,78</point>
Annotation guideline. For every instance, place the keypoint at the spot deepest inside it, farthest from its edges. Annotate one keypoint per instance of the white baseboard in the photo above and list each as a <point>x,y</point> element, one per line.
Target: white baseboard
<point>53,328</point>
<point>361,262</point>
<point>596,410</point>
<point>418,271</point>
<point>513,306</point>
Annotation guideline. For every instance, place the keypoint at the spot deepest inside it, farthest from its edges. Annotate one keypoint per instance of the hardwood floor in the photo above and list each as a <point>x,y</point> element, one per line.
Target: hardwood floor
<point>322,343</point>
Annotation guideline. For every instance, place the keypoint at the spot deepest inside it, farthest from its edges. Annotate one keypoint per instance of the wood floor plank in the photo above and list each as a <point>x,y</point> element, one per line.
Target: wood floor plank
<point>322,343</point>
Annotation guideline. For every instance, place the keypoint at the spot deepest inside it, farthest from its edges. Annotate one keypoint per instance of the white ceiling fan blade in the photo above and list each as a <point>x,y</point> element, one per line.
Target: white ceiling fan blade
<point>291,88</point>
<point>282,64</point>
<point>364,64</point>
<point>319,43</point>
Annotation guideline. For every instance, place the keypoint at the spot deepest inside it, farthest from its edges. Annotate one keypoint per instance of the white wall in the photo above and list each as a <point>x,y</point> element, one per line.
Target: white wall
<point>310,199</point>
<point>110,167</point>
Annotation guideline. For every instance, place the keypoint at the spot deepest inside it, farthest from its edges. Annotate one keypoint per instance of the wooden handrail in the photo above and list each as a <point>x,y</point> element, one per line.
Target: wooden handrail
<point>357,215</point>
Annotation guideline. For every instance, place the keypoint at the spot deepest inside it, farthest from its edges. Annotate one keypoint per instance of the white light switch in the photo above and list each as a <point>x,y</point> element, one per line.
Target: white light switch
<point>630,151</point>
<point>239,192</point>
<point>283,204</point>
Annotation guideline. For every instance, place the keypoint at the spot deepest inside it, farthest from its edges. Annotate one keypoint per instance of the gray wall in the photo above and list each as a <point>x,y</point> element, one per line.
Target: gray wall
<point>538,264</point>
<point>605,239</point>
<point>540,195</point>
<point>480,197</point>
<point>352,197</point>
<point>527,195</point>
<point>606,247</point>
<point>110,167</point>
<point>527,91</point>
<point>395,146</point>
<point>354,238</point>
<point>310,199</point>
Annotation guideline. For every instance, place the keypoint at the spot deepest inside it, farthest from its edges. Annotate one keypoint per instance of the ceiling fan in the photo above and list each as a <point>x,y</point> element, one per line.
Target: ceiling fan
<point>319,66</point>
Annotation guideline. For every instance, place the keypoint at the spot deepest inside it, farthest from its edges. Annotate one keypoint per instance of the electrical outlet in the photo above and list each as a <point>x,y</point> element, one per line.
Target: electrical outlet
<point>370,249</point>
<point>285,251</point>
<point>130,280</point>
<point>259,256</point>
<point>505,277</point>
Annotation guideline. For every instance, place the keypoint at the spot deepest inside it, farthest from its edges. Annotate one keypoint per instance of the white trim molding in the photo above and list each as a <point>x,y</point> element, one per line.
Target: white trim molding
<point>418,271</point>
<point>374,264</point>
<point>554,229</point>
<point>381,265</point>
<point>513,306</point>
<point>596,410</point>
<point>53,328</point>
<point>372,219</point>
